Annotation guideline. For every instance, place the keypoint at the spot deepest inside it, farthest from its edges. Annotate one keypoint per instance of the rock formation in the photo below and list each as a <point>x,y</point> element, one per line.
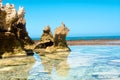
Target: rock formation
<point>60,36</point>
<point>56,43</point>
<point>46,39</point>
<point>13,34</point>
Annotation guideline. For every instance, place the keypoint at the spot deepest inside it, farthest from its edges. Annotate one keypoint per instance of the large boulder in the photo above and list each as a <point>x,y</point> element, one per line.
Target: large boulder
<point>13,34</point>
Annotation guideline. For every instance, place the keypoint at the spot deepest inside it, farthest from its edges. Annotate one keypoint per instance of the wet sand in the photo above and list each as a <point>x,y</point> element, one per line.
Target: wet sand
<point>92,42</point>
<point>16,68</point>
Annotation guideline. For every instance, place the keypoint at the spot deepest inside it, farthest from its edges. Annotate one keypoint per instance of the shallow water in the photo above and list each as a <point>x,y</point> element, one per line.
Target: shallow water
<point>82,63</point>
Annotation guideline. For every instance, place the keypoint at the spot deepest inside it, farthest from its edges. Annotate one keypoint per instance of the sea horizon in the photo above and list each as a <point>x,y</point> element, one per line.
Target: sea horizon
<point>87,38</point>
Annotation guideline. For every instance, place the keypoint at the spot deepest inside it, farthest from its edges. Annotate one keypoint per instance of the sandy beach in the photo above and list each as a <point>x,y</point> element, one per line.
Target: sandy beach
<point>91,42</point>
<point>94,42</point>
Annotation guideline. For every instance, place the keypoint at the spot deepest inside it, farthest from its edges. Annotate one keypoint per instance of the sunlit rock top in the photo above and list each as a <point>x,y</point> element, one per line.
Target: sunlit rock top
<point>62,29</point>
<point>9,15</point>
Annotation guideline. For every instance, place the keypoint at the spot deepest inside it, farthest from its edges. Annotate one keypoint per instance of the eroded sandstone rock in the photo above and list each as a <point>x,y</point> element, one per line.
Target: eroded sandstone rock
<point>46,39</point>
<point>56,43</point>
<point>13,34</point>
<point>60,43</point>
<point>60,36</point>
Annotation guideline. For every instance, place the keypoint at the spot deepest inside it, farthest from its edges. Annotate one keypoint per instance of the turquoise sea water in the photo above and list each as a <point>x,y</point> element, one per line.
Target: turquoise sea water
<point>88,38</point>
<point>82,63</point>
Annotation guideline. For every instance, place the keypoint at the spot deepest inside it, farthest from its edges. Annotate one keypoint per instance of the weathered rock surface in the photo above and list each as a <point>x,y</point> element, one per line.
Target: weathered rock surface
<point>46,39</point>
<point>53,44</point>
<point>60,36</point>
<point>13,34</point>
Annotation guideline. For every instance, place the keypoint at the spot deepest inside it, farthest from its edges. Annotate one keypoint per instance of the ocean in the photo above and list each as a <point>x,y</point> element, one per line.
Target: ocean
<point>89,38</point>
<point>82,63</point>
<point>86,62</point>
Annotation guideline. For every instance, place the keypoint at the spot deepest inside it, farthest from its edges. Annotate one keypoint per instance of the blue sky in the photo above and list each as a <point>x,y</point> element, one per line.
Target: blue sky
<point>82,17</point>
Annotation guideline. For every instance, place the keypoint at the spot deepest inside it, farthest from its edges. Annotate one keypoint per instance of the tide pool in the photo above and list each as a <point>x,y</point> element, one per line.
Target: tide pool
<point>82,63</point>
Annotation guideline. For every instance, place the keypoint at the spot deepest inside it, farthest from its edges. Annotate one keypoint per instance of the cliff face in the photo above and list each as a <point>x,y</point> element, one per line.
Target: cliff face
<point>13,34</point>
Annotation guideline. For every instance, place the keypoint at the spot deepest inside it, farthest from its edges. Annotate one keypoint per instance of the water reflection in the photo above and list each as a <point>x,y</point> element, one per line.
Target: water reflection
<point>58,61</point>
<point>83,63</point>
<point>49,66</point>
